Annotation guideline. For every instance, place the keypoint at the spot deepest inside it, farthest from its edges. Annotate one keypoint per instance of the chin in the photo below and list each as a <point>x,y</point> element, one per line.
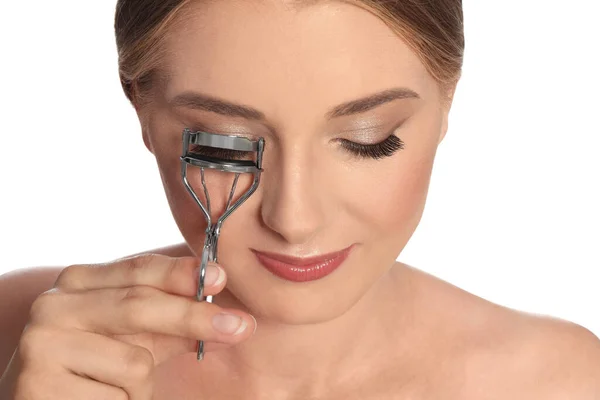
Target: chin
<point>297,310</point>
<point>268,297</point>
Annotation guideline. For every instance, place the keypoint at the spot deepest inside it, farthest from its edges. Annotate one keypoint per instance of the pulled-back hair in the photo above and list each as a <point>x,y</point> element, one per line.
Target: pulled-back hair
<point>432,29</point>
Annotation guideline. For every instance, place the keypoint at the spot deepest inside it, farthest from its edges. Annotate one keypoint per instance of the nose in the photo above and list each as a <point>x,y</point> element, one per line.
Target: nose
<point>292,200</point>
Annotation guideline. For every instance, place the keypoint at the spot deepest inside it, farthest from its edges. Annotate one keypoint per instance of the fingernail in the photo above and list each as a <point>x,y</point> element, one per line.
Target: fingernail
<point>255,324</point>
<point>214,275</point>
<point>229,324</point>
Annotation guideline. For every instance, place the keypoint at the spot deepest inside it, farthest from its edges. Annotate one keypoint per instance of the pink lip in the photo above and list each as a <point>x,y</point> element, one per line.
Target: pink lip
<point>302,269</point>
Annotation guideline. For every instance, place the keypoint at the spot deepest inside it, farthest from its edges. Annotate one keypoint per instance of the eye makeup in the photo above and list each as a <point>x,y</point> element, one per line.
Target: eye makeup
<point>216,152</point>
<point>376,151</point>
<point>386,148</point>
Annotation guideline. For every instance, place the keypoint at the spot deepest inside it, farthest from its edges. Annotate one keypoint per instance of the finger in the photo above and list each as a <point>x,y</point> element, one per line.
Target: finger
<point>66,386</point>
<point>114,362</point>
<point>173,275</point>
<point>137,309</point>
<point>94,356</point>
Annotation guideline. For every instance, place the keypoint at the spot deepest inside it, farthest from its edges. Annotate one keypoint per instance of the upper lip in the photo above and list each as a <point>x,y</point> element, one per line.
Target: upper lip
<point>302,260</point>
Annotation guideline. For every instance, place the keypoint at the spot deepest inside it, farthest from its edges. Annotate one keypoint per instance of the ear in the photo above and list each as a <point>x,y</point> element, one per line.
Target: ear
<point>143,119</point>
<point>445,112</point>
<point>444,126</point>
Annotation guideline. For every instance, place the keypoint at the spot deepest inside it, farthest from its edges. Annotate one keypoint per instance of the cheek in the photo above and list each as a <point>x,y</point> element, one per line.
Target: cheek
<point>407,194</point>
<point>219,186</point>
<point>390,198</point>
<point>188,215</point>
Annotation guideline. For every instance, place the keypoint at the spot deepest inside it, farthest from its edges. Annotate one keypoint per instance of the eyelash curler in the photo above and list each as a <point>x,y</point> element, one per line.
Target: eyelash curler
<point>221,145</point>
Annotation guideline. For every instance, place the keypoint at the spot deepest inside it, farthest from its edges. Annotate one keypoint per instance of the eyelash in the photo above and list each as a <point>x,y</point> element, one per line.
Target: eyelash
<point>217,153</point>
<point>386,148</point>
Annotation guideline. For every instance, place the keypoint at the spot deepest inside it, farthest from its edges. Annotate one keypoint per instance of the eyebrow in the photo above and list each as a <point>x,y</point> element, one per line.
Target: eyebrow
<point>199,101</point>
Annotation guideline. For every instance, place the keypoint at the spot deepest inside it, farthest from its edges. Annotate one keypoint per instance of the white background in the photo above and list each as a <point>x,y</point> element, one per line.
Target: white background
<point>513,209</point>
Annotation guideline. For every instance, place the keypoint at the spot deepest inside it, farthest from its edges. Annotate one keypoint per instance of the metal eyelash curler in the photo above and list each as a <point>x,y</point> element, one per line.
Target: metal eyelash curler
<point>197,159</point>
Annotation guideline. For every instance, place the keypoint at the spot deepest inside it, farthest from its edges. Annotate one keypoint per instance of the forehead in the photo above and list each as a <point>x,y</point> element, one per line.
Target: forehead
<point>278,58</point>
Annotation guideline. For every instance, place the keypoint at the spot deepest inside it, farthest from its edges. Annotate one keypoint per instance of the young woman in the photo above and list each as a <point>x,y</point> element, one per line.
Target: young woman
<point>352,98</point>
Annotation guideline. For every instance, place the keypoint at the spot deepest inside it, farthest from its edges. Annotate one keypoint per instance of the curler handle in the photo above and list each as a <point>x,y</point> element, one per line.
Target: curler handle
<point>209,253</point>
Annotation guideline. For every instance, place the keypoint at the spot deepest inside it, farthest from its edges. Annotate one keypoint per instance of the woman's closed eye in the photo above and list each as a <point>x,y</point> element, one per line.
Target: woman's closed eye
<point>386,148</point>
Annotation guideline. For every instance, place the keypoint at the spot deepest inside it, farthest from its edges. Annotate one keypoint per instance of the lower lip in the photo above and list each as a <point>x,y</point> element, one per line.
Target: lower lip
<point>303,273</point>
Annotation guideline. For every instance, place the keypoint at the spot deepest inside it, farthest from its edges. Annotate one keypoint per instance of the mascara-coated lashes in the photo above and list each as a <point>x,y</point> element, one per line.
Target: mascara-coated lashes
<point>217,152</point>
<point>388,147</point>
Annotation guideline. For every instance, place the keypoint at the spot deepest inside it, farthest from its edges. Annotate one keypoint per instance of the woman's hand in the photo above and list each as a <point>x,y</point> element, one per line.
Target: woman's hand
<point>101,330</point>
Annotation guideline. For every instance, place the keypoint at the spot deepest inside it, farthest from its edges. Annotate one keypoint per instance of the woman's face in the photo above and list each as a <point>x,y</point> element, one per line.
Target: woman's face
<point>315,196</point>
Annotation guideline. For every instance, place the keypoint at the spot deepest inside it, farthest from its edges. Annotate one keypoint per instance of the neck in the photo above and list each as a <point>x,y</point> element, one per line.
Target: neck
<point>312,359</point>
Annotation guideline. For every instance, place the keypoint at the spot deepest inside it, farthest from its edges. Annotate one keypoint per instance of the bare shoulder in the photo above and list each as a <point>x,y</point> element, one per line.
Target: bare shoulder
<point>542,356</point>
<point>565,357</point>
<point>500,353</point>
<point>18,289</point>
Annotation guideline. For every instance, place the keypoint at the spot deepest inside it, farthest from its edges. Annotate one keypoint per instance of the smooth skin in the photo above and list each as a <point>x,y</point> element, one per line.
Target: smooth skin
<point>373,329</point>
<point>484,351</point>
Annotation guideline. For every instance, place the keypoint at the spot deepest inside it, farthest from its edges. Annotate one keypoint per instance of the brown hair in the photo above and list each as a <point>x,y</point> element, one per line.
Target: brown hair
<point>432,29</point>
